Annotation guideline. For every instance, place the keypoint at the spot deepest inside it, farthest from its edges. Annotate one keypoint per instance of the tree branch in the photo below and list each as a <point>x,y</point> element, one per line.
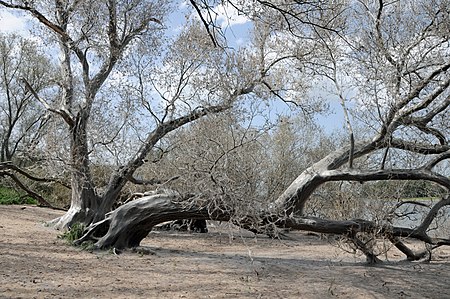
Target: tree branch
<point>432,214</point>
<point>31,193</point>
<point>68,118</point>
<point>5,166</point>
<point>436,160</point>
<point>420,148</point>
<point>389,174</point>
<point>205,23</point>
<point>399,110</point>
<point>151,182</point>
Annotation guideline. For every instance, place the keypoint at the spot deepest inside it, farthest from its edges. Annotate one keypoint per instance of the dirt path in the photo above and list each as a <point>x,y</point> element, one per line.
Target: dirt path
<point>35,264</point>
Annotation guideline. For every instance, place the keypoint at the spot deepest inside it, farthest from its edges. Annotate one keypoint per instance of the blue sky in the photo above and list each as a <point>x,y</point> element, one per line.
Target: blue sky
<point>12,22</point>
<point>236,28</point>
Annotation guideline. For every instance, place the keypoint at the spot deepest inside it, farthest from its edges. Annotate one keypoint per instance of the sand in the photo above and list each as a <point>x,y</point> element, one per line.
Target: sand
<point>225,263</point>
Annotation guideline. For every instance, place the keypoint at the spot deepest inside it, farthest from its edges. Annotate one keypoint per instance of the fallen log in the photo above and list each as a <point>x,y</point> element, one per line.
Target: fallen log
<point>129,224</point>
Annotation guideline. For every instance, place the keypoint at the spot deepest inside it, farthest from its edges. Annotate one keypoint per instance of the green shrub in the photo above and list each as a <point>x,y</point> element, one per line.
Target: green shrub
<point>9,196</point>
<point>74,233</point>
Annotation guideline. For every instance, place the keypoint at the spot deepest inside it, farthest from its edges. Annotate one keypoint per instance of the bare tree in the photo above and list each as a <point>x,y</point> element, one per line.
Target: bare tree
<point>392,55</point>
<point>398,66</point>
<point>99,42</point>
<point>23,121</point>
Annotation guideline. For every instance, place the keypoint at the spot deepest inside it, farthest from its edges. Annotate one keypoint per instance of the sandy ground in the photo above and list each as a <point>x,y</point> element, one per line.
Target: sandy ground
<point>34,263</point>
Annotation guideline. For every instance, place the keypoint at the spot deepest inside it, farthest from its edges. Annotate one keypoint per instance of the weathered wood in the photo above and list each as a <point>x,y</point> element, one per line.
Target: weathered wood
<point>129,224</point>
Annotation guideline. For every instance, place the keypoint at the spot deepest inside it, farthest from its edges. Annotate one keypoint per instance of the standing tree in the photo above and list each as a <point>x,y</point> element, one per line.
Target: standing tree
<point>23,121</point>
<point>103,43</point>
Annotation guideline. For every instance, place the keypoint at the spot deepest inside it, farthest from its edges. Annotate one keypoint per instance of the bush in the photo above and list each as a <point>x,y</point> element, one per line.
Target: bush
<point>9,196</point>
<point>74,233</point>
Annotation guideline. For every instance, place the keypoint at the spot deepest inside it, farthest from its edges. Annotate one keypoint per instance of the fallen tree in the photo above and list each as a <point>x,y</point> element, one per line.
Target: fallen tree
<point>129,224</point>
<point>389,69</point>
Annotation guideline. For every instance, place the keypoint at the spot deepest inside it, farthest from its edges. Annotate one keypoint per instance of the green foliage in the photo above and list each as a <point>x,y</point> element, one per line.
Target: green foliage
<point>9,196</point>
<point>88,246</point>
<point>74,233</point>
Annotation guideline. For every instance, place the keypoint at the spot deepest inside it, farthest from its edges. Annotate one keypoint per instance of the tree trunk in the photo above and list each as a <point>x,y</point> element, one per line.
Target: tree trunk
<point>130,223</point>
<point>293,199</point>
<point>85,205</point>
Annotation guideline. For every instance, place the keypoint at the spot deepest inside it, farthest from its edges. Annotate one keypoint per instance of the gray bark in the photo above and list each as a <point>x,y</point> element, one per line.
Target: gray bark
<point>128,225</point>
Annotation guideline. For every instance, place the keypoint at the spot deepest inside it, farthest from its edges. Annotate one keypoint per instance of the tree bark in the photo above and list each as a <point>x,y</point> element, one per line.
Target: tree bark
<point>128,225</point>
<point>85,203</point>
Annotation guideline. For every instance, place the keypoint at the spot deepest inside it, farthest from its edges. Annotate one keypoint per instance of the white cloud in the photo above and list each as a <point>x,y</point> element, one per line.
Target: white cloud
<point>228,16</point>
<point>12,23</point>
<point>183,5</point>
<point>240,41</point>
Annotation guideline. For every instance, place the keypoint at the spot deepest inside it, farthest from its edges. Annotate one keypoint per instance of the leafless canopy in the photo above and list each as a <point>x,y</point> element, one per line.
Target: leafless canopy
<point>386,61</point>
